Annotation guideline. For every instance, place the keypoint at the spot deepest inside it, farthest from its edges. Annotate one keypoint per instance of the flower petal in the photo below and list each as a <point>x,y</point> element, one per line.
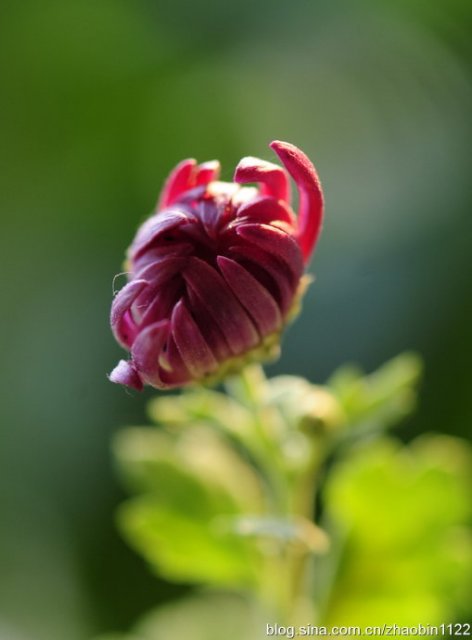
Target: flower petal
<point>146,350</point>
<point>125,373</point>
<point>273,179</point>
<point>211,288</point>
<point>268,210</point>
<point>156,254</point>
<point>156,302</point>
<point>255,298</point>
<point>195,352</point>
<point>170,358</point>
<point>121,321</point>
<point>207,172</point>
<point>187,175</point>
<point>161,226</point>
<point>270,272</point>
<point>176,183</point>
<point>159,271</point>
<point>276,242</point>
<point>310,210</point>
<point>212,333</point>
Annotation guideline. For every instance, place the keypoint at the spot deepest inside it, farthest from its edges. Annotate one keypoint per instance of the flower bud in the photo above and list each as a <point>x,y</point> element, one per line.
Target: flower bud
<point>217,271</point>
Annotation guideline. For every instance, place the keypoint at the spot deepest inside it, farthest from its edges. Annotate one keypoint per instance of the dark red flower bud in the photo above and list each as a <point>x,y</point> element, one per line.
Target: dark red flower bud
<point>217,271</point>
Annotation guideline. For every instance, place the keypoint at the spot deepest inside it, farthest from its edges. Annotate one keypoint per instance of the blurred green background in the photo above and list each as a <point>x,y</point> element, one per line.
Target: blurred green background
<point>99,99</point>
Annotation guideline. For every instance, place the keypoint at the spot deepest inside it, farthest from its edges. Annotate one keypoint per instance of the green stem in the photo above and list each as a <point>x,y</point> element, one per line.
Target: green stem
<point>285,580</point>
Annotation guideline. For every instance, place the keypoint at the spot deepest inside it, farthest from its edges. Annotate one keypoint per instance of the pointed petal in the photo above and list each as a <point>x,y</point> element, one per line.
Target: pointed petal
<point>170,359</point>
<point>177,249</point>
<point>276,242</point>
<point>159,304</point>
<point>269,271</point>
<point>121,322</point>
<point>211,288</point>
<point>273,179</point>
<point>158,227</point>
<point>207,172</point>
<point>159,271</point>
<point>255,298</point>
<point>310,210</point>
<point>176,183</point>
<point>212,333</point>
<point>195,352</point>
<point>266,209</point>
<point>125,373</point>
<point>209,214</point>
<point>173,371</point>
<point>187,175</point>
<point>146,350</point>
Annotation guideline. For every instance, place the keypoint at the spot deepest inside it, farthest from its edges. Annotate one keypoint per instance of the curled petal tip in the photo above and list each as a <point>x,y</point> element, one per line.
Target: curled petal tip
<point>177,182</point>
<point>273,179</point>
<point>124,373</point>
<point>310,211</point>
<point>285,147</point>
<point>207,172</point>
<point>186,176</point>
<point>122,324</point>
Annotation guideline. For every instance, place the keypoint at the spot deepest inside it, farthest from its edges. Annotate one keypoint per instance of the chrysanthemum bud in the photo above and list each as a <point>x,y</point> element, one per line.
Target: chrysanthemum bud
<point>216,272</point>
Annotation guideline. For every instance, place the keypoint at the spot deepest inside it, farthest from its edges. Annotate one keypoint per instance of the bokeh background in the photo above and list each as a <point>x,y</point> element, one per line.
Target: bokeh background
<point>99,99</point>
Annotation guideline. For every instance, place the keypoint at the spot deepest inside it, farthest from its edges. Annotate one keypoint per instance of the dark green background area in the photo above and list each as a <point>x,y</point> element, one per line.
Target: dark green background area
<point>99,99</point>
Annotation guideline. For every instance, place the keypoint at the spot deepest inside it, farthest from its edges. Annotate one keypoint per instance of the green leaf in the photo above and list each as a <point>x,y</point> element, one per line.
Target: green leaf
<point>201,405</point>
<point>401,518</point>
<point>186,548</point>
<point>194,465</point>
<point>187,481</point>
<point>377,401</point>
<point>207,616</point>
<point>208,408</point>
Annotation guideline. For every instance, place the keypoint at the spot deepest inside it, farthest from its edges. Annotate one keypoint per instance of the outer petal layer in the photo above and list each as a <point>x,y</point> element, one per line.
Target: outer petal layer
<point>195,352</point>
<point>310,210</point>
<point>146,351</point>
<point>255,298</point>
<point>273,179</point>
<point>122,325</point>
<point>210,287</point>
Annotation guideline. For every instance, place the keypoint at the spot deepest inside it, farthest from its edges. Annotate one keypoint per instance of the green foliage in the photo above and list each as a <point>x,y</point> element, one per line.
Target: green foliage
<point>400,518</point>
<point>187,485</point>
<point>377,401</point>
<point>213,483</point>
<point>224,486</point>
